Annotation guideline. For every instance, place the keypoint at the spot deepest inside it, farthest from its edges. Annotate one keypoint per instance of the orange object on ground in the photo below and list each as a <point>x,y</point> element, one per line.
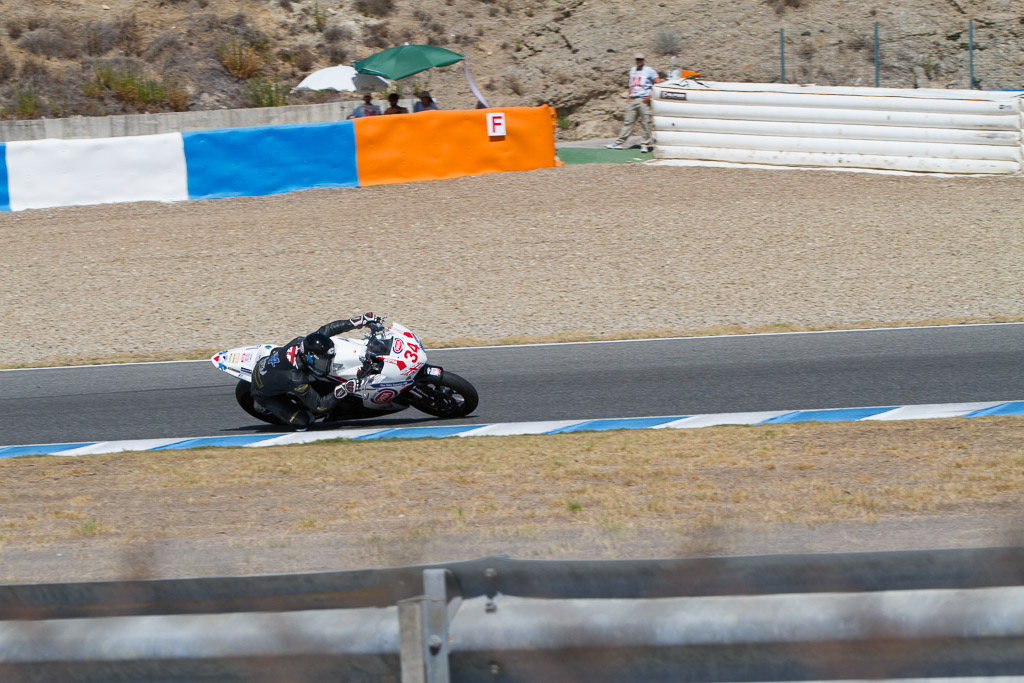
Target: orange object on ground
<point>430,145</point>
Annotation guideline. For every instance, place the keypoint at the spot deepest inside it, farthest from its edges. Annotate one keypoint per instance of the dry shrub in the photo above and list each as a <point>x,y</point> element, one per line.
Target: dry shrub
<point>780,5</point>
<point>34,21</point>
<point>337,54</point>
<point>177,96</point>
<point>33,67</point>
<point>667,41</point>
<point>334,34</point>
<point>15,28</point>
<point>375,8</point>
<point>100,37</point>
<point>7,66</point>
<point>165,43</point>
<point>241,60</point>
<point>376,35</point>
<point>129,34</point>
<point>48,43</point>
<point>303,58</point>
<point>439,39</point>
<point>858,42</point>
<point>514,83</point>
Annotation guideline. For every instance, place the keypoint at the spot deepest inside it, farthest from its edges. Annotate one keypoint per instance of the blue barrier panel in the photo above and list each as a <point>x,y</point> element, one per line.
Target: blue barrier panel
<point>5,193</point>
<point>251,162</point>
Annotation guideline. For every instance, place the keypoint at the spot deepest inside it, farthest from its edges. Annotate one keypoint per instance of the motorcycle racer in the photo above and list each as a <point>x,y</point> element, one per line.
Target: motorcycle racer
<point>283,382</point>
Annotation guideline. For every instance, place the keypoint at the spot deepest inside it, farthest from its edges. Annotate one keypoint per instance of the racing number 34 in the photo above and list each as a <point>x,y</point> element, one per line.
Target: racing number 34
<point>411,352</point>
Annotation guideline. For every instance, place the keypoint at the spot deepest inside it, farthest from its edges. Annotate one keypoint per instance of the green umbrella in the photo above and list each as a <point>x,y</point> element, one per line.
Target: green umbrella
<point>406,60</point>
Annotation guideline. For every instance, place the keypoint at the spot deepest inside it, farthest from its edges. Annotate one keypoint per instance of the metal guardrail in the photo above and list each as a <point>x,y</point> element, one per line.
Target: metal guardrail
<point>957,612</point>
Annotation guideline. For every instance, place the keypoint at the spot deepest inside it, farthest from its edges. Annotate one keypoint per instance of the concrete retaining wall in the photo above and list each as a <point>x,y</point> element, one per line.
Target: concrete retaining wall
<point>174,122</point>
<point>949,131</point>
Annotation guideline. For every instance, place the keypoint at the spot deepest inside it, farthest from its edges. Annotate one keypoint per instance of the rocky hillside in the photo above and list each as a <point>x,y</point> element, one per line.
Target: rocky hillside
<point>96,57</point>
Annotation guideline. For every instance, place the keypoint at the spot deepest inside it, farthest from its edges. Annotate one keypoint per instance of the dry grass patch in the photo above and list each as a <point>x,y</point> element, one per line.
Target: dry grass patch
<point>597,484</point>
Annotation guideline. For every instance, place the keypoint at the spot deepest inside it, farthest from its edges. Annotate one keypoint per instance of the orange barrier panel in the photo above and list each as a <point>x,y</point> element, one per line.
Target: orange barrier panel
<point>431,145</point>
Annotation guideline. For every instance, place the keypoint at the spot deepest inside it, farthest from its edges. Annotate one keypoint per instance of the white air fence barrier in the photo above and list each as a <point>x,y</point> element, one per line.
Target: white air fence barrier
<point>944,131</point>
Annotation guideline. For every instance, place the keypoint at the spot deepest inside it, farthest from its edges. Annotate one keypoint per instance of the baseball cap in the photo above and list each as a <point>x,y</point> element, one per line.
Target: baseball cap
<point>640,55</point>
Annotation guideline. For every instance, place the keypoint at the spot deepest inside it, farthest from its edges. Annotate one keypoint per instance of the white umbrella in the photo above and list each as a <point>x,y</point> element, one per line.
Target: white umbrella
<point>342,78</point>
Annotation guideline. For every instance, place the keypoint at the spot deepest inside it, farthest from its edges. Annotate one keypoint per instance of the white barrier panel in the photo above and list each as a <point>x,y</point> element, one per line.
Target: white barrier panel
<point>865,117</point>
<point>827,101</point>
<point>47,173</point>
<point>951,131</point>
<point>1006,138</point>
<point>833,160</point>
<point>840,146</point>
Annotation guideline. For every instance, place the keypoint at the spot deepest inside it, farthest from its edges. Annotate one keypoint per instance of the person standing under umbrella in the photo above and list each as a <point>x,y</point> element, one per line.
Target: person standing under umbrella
<point>426,102</point>
<point>395,108</point>
<point>367,108</point>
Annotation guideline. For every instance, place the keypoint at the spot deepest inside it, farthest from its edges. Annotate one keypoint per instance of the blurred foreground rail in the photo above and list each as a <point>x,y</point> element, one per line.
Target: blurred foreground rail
<point>908,614</point>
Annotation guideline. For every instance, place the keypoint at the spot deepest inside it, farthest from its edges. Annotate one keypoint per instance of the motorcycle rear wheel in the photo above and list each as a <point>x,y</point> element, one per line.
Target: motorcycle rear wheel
<point>452,397</point>
<point>243,395</point>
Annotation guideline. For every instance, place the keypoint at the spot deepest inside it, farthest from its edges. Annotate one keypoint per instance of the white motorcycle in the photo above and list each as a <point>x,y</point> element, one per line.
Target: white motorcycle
<point>385,372</point>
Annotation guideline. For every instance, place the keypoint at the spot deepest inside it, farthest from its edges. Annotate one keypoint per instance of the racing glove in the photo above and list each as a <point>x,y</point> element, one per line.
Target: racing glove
<point>360,320</point>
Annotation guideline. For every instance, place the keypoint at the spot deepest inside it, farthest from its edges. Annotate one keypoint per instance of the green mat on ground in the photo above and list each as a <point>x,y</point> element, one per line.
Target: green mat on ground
<point>586,155</point>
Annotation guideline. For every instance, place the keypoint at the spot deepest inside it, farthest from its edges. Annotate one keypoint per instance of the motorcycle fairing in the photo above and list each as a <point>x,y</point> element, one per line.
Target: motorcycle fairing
<point>240,362</point>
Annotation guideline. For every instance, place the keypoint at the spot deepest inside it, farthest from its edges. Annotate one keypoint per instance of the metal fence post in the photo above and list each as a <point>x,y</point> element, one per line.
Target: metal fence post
<point>423,630</point>
<point>970,50</point>
<point>782,55</point>
<point>876,55</point>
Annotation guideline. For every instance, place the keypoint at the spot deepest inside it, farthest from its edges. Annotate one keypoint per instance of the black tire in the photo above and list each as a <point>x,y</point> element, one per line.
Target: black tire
<point>452,397</point>
<point>244,398</point>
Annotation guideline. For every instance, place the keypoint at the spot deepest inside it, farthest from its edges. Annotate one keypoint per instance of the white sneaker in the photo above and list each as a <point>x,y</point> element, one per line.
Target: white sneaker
<point>614,146</point>
<point>646,149</point>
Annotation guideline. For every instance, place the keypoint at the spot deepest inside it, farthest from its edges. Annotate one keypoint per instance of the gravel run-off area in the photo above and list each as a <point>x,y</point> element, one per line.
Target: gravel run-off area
<point>596,249</point>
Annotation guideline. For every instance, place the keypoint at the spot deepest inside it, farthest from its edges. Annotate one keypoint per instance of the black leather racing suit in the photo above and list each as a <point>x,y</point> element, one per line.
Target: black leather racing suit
<point>280,386</point>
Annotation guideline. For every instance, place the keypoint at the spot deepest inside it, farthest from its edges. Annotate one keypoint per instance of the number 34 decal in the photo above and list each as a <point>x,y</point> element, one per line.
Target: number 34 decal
<point>411,351</point>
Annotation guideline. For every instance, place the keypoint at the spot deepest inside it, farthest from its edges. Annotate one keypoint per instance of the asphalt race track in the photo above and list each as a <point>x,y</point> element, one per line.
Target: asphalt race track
<point>555,382</point>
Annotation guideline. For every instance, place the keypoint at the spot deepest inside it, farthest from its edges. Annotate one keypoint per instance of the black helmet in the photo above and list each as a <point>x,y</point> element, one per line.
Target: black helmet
<point>316,353</point>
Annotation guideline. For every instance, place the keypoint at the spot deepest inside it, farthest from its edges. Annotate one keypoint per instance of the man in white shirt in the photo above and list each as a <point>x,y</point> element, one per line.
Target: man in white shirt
<point>641,81</point>
<point>367,108</point>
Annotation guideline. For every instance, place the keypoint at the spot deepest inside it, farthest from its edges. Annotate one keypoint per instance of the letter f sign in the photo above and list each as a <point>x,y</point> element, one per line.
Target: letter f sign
<point>495,124</point>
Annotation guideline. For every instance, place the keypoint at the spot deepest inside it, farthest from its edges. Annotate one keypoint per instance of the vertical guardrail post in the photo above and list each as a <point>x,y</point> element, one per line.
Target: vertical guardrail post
<point>970,50</point>
<point>877,61</point>
<point>423,631</point>
<point>782,55</point>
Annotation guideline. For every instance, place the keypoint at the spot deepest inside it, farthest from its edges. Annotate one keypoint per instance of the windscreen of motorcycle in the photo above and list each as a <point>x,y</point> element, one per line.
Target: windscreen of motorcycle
<point>348,357</point>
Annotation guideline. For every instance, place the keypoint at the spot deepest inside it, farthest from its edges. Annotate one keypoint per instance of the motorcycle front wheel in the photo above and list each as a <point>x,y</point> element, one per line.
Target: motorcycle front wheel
<point>452,397</point>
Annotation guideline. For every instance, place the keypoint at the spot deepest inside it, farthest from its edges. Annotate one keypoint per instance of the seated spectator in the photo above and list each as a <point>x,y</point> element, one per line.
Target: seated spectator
<point>394,108</point>
<point>426,102</point>
<point>367,108</point>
